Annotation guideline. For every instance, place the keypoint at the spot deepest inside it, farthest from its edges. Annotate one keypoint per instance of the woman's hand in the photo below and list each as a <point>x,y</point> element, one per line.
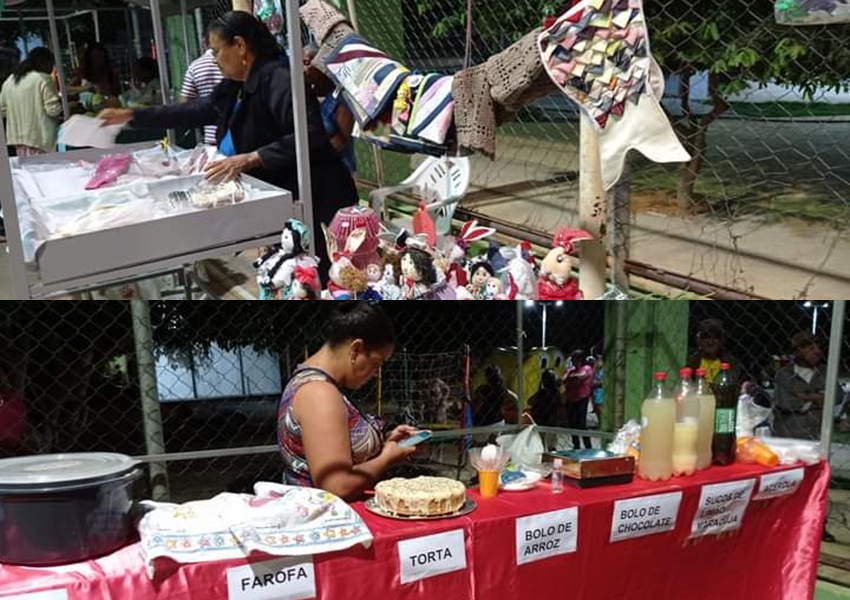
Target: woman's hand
<point>401,432</point>
<point>230,168</point>
<point>394,454</point>
<point>115,116</point>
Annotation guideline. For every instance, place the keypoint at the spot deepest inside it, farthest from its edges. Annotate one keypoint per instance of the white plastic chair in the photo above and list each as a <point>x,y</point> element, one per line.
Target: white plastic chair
<point>442,182</point>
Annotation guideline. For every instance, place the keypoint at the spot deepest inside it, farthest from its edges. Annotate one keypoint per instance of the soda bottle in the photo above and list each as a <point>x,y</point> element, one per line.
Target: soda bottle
<point>658,417</point>
<point>725,413</point>
<point>706,420</point>
<point>686,430</point>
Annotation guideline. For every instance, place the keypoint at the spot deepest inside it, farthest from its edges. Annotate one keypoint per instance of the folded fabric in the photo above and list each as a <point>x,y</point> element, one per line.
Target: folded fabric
<point>433,106</point>
<point>280,520</point>
<point>368,77</point>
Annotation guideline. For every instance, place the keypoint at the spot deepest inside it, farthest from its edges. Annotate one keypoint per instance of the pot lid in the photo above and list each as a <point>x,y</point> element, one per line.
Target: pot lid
<point>28,472</point>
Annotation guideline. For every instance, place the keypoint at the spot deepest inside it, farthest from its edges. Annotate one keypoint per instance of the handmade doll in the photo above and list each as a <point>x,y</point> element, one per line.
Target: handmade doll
<point>420,280</point>
<point>480,272</point>
<point>342,270</point>
<point>418,273</point>
<point>276,267</point>
<point>556,281</point>
<point>520,271</point>
<point>493,290</point>
<point>305,284</point>
<point>456,254</point>
<point>389,287</point>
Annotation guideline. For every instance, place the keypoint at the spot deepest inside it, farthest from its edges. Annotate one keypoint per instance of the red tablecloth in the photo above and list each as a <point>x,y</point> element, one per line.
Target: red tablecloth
<point>772,556</point>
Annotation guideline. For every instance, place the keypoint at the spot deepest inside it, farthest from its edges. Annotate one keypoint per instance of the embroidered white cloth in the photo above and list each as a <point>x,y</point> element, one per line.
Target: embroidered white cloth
<point>280,520</point>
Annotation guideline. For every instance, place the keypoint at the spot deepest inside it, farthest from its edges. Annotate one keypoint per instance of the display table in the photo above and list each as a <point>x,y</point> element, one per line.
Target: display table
<point>569,554</point>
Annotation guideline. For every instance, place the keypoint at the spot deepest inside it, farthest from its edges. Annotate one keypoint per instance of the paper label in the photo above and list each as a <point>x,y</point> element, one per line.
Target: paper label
<point>724,420</point>
<point>431,555</point>
<point>546,534</point>
<point>48,595</point>
<point>279,579</point>
<point>721,507</point>
<point>638,517</point>
<point>783,483</point>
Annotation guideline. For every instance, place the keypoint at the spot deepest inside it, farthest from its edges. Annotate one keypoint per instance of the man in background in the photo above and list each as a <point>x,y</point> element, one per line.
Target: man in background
<point>799,389</point>
<point>711,352</point>
<point>201,78</point>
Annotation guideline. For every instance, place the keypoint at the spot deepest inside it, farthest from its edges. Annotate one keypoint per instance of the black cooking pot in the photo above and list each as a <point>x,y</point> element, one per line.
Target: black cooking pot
<point>64,508</point>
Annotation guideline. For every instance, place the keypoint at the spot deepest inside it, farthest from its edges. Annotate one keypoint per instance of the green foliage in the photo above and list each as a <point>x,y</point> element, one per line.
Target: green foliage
<point>739,40</point>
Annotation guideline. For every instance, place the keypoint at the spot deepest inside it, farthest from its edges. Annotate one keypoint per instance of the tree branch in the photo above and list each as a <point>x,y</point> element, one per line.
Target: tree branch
<point>718,102</point>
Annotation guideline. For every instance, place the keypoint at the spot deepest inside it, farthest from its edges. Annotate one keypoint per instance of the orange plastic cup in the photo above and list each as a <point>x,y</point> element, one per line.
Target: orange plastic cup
<point>488,483</point>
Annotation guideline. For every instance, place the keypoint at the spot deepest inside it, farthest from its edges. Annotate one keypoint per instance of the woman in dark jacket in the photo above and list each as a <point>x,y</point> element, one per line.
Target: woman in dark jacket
<point>252,111</point>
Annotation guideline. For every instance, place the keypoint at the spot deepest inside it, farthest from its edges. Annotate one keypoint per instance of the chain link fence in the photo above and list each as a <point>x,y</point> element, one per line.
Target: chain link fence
<point>763,108</point>
<point>193,388</point>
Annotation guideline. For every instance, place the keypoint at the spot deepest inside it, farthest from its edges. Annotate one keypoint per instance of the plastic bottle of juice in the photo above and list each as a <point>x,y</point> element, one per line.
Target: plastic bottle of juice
<point>686,429</point>
<point>706,420</point>
<point>658,417</point>
<point>725,412</point>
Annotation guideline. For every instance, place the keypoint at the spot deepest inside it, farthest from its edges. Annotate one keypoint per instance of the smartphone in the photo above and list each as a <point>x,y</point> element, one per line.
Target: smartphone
<point>416,438</point>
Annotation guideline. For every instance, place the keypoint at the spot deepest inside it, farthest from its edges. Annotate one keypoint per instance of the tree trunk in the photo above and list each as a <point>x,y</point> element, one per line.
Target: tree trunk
<point>689,171</point>
<point>693,133</point>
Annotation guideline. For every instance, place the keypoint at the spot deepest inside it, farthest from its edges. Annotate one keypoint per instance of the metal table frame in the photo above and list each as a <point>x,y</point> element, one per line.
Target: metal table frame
<point>22,285</point>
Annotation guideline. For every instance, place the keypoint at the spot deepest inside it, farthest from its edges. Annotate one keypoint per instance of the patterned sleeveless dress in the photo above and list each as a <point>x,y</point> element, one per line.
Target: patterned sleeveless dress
<point>366,438</point>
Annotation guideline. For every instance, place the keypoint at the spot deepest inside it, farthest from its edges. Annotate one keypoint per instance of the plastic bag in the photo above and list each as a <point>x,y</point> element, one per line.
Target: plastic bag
<point>627,440</point>
<point>156,162</point>
<point>750,416</point>
<point>109,168</point>
<point>197,159</point>
<point>526,448</point>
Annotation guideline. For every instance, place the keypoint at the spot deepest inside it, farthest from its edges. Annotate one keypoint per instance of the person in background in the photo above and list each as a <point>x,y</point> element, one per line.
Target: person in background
<point>578,379</point>
<point>325,441</point>
<point>255,128</point>
<point>16,432</point>
<point>711,352</point>
<point>31,105</point>
<point>545,402</point>
<point>799,389</point>
<point>97,73</point>
<point>146,90</point>
<point>597,392</point>
<point>490,397</point>
<point>337,118</point>
<point>201,78</point>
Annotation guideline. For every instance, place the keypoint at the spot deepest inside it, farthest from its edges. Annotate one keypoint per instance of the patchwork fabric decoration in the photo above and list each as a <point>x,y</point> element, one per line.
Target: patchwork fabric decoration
<point>432,109</point>
<point>597,53</point>
<point>420,119</point>
<point>812,12</point>
<point>369,78</point>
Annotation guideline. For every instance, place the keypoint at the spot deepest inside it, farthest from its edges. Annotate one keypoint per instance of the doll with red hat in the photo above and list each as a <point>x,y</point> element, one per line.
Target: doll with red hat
<point>556,281</point>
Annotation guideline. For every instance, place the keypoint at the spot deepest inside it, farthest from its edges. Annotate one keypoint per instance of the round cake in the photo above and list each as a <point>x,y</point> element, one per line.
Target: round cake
<point>420,496</point>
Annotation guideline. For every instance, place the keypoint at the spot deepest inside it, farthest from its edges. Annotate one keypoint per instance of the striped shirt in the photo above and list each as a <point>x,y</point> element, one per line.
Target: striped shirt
<point>201,78</point>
